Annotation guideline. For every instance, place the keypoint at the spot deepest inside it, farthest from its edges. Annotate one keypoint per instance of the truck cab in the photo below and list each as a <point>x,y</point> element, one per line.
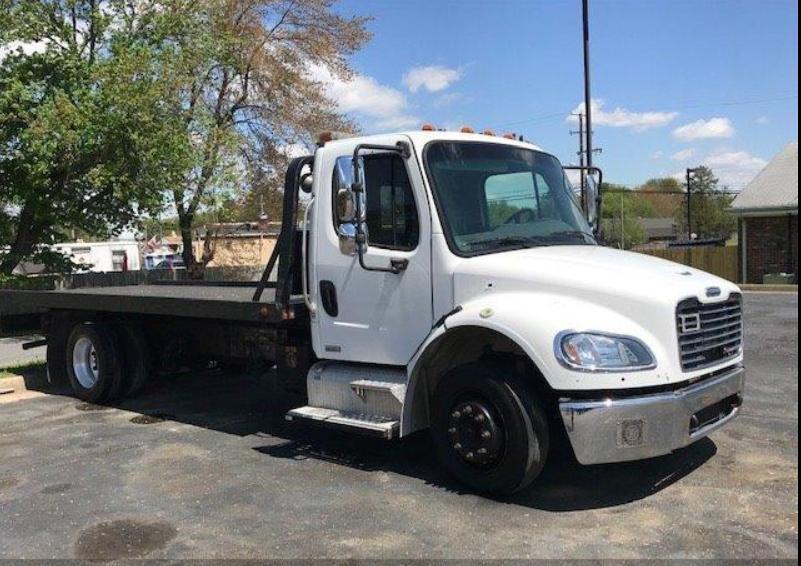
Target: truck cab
<point>464,270</point>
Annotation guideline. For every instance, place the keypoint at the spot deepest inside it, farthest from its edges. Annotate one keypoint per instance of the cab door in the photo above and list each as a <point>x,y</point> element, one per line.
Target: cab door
<point>363,315</point>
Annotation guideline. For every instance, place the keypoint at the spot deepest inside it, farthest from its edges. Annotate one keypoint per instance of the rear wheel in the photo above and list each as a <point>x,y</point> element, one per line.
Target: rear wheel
<point>93,362</point>
<point>137,358</point>
<point>490,432</point>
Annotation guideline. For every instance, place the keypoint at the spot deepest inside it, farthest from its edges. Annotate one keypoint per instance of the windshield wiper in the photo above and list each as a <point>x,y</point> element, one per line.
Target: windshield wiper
<point>517,241</point>
<point>583,235</point>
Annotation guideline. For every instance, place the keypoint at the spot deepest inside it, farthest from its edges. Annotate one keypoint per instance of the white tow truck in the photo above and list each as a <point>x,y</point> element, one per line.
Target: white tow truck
<point>444,281</point>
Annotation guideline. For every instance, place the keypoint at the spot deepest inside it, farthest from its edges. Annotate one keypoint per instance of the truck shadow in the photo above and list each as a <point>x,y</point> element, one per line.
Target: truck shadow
<point>248,406</point>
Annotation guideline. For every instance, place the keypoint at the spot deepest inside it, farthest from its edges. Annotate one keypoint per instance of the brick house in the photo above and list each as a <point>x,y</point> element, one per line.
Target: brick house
<point>768,219</point>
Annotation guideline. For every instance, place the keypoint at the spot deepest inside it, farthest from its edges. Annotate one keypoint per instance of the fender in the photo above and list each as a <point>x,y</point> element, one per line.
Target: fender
<point>532,322</point>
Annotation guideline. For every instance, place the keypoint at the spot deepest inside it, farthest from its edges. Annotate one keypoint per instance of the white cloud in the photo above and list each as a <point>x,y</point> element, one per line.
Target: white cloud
<point>705,129</point>
<point>365,96</point>
<point>658,154</point>
<point>734,168</point>
<point>762,120</point>
<point>26,47</point>
<point>432,78</point>
<point>683,154</point>
<point>623,118</point>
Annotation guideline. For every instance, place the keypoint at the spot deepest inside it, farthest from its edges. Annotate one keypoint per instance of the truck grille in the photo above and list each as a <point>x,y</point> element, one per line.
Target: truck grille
<point>709,334</point>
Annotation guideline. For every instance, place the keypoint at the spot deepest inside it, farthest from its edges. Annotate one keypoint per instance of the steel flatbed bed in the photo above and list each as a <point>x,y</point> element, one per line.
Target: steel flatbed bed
<point>232,302</point>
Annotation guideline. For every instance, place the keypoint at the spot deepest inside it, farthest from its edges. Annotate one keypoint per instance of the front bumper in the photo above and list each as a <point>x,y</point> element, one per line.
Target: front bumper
<point>633,428</point>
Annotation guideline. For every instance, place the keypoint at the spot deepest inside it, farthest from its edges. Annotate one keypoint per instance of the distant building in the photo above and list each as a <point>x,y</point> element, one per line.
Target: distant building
<point>239,244</point>
<point>768,219</point>
<point>659,229</point>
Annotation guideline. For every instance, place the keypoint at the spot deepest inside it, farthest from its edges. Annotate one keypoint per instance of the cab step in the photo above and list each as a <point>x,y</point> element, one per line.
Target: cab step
<point>355,422</point>
<point>360,397</point>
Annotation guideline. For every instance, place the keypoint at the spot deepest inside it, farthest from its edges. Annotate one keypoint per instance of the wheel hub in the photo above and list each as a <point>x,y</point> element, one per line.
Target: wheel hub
<point>475,433</point>
<point>85,363</point>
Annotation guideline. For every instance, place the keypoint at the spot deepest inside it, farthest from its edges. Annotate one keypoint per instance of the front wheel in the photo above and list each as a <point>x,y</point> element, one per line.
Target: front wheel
<point>489,431</point>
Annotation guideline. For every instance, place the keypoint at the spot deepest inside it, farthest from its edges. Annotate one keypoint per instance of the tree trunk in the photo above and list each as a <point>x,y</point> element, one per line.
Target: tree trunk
<point>23,243</point>
<point>185,223</point>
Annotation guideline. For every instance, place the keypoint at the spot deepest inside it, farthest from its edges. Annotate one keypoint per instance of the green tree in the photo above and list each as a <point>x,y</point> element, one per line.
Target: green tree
<point>709,208</point>
<point>621,213</point>
<point>82,142</point>
<point>238,76</point>
<point>663,194</point>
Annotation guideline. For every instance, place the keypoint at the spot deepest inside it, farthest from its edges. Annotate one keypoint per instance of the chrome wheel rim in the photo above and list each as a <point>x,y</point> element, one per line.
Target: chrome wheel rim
<point>476,433</point>
<point>85,364</point>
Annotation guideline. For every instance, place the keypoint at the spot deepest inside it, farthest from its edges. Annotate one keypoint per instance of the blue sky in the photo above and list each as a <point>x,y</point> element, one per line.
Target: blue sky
<point>677,83</point>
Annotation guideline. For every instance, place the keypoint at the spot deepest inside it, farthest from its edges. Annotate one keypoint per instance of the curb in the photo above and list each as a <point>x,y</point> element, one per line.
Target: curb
<point>769,288</point>
<point>10,385</point>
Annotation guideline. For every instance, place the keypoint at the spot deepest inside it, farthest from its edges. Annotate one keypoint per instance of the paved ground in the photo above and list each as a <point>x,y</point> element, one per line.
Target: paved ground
<point>216,474</point>
<point>12,354</point>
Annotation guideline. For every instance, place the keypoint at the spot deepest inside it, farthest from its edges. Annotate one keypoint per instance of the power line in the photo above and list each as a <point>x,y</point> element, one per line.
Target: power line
<point>543,118</point>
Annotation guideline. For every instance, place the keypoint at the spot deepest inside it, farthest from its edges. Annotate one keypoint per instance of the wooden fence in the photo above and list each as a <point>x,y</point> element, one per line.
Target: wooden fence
<point>718,260</point>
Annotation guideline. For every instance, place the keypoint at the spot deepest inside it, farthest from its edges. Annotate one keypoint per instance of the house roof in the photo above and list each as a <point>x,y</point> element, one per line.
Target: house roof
<point>775,187</point>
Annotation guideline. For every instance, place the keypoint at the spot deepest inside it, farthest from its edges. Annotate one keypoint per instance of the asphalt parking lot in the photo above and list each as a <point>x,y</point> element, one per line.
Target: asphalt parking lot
<point>204,467</point>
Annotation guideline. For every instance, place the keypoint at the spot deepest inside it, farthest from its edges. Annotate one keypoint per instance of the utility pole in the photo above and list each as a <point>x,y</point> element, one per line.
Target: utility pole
<point>587,96</point>
<point>689,205</point>
<point>582,154</point>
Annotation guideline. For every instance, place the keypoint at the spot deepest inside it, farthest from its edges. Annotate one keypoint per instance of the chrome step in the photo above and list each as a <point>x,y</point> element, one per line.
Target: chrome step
<point>357,389</point>
<point>356,422</point>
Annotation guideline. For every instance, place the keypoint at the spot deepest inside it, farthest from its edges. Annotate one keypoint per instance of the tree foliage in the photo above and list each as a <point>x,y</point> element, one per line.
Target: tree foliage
<point>709,207</point>
<point>240,81</point>
<point>81,139</point>
<point>108,106</point>
<point>621,213</point>
<point>663,195</point>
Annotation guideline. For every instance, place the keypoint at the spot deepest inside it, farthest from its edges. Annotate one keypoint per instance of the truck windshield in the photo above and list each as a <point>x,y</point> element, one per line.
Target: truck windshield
<point>495,197</point>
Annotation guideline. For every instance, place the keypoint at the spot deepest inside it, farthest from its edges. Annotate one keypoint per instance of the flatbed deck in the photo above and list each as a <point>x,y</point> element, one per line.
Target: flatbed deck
<point>219,302</point>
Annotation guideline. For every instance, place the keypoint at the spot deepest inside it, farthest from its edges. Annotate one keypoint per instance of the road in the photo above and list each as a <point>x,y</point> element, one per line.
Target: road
<point>212,471</point>
<point>12,354</point>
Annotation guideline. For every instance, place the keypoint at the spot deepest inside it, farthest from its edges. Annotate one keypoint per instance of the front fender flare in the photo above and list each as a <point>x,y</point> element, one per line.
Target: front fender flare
<point>531,321</point>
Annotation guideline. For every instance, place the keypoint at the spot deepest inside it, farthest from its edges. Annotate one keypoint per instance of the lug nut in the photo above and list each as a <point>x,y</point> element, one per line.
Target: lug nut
<point>480,418</point>
<point>469,455</point>
<point>468,409</point>
<point>486,434</point>
<point>452,430</point>
<point>456,414</point>
<point>457,446</point>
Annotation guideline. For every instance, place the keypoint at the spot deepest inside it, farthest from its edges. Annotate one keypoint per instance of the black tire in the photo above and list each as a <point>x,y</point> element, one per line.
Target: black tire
<point>136,354</point>
<point>106,362</point>
<point>513,431</point>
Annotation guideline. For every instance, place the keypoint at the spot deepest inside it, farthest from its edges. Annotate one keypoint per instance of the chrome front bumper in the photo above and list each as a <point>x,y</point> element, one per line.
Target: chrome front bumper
<point>633,428</point>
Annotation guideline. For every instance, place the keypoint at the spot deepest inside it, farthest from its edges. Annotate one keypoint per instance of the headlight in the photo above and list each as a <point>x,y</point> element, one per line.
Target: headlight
<point>590,351</point>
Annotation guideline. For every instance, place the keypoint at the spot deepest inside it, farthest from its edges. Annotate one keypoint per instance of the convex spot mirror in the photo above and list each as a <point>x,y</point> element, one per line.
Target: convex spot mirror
<point>591,200</point>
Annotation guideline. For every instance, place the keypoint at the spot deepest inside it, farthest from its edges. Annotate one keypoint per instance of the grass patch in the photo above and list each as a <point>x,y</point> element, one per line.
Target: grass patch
<point>26,369</point>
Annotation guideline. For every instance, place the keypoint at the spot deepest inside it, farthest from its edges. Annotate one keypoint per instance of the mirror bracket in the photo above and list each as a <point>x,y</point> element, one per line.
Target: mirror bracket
<point>405,151</point>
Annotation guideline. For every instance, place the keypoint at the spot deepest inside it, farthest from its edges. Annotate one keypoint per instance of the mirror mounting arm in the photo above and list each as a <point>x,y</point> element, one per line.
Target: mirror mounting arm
<point>405,151</point>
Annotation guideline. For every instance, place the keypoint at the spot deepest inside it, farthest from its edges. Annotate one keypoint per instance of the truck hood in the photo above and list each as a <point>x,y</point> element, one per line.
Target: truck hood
<point>624,281</point>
